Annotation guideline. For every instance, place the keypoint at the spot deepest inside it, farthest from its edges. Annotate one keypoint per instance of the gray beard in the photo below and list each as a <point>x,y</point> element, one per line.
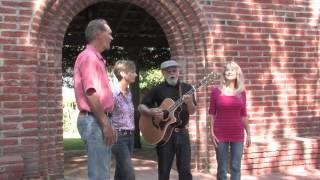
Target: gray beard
<point>172,81</point>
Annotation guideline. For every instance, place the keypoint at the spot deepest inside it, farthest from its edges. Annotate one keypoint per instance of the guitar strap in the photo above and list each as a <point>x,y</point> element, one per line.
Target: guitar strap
<point>180,95</point>
<point>180,90</point>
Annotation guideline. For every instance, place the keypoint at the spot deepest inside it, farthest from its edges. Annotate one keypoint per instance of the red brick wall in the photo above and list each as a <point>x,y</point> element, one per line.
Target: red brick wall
<point>277,45</point>
<point>30,86</point>
<point>275,42</point>
<point>11,167</point>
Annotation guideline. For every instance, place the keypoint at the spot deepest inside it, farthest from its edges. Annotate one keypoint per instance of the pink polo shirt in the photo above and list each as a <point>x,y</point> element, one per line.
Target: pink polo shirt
<point>229,112</point>
<point>90,73</point>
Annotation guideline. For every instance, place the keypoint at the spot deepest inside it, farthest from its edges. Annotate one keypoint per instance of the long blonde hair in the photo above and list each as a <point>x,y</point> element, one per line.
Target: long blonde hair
<point>239,84</point>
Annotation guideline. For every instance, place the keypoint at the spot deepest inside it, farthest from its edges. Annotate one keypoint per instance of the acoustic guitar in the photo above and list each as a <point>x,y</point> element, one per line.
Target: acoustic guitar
<point>158,132</point>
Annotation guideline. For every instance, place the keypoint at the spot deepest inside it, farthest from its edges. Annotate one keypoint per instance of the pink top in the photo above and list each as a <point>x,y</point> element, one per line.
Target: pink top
<point>229,112</point>
<point>90,73</point>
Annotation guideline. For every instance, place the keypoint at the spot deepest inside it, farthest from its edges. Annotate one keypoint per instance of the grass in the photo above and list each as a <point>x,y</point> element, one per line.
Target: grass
<point>73,144</point>
<point>144,143</point>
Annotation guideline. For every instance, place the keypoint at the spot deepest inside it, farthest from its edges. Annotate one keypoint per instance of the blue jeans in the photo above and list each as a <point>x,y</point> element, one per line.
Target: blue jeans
<point>179,145</point>
<point>122,151</point>
<point>222,153</point>
<point>99,154</point>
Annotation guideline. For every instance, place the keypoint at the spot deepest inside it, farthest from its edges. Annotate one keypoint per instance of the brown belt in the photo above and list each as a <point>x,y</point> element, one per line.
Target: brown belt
<point>84,113</point>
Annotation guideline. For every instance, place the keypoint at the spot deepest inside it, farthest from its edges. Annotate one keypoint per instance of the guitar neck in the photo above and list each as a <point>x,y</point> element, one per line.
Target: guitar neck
<point>190,92</point>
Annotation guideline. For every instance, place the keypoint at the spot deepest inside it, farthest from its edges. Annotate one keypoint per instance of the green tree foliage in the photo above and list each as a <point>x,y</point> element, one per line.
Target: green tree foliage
<point>149,78</point>
<point>70,114</point>
<point>151,58</point>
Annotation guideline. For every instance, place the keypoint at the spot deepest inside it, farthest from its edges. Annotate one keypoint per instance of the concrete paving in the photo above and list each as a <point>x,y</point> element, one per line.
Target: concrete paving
<point>146,169</point>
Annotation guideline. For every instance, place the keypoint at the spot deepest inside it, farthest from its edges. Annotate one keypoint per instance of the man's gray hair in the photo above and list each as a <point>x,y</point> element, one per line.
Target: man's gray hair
<point>94,27</point>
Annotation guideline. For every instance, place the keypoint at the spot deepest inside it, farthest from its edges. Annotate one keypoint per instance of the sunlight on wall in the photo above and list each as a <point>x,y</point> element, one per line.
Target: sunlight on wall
<point>37,5</point>
<point>272,146</point>
<point>315,6</point>
<point>283,100</point>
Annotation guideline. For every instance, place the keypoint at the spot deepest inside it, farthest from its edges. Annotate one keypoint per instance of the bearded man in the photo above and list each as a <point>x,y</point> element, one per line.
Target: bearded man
<point>179,143</point>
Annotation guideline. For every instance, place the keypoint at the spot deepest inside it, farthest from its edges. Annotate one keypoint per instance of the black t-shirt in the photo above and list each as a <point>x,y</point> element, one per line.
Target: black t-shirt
<point>164,90</point>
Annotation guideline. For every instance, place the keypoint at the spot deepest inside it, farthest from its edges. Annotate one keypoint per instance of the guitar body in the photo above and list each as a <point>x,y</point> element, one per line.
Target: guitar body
<point>158,132</point>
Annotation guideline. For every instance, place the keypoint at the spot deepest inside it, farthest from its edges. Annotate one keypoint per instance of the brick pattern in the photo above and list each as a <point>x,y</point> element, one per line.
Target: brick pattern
<point>275,42</point>
<point>281,154</point>
<point>277,47</point>
<point>11,167</point>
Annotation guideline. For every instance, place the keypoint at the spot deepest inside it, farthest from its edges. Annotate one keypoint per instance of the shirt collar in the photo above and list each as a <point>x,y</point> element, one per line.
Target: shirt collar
<point>116,90</point>
<point>98,54</point>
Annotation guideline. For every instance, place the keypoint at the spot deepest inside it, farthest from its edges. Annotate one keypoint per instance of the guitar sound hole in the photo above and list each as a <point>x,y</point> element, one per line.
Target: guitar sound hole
<point>162,125</point>
<point>165,114</point>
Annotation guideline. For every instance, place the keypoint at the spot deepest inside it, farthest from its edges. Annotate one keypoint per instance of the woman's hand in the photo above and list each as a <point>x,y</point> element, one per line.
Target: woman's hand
<point>215,140</point>
<point>248,140</point>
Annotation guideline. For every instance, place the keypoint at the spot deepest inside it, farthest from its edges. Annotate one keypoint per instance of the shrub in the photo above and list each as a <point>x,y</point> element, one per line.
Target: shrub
<point>149,79</point>
<point>70,115</point>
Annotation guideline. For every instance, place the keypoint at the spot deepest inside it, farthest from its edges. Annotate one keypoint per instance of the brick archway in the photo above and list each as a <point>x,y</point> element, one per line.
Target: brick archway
<point>276,46</point>
<point>185,31</point>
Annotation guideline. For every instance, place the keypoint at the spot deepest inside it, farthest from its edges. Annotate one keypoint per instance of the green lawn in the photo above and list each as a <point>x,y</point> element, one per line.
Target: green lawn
<point>73,144</point>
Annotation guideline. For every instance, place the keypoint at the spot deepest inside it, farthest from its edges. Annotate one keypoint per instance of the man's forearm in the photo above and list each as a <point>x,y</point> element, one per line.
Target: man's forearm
<point>143,109</point>
<point>191,108</point>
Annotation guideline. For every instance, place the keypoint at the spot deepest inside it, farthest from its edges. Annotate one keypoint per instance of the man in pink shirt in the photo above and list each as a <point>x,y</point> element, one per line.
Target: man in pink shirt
<point>94,100</point>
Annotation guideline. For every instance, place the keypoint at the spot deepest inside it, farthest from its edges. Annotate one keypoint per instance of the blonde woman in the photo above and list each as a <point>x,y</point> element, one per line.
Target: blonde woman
<point>228,112</point>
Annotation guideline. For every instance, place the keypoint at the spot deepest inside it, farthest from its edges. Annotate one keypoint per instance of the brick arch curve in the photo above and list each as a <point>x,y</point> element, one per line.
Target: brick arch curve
<point>182,22</point>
